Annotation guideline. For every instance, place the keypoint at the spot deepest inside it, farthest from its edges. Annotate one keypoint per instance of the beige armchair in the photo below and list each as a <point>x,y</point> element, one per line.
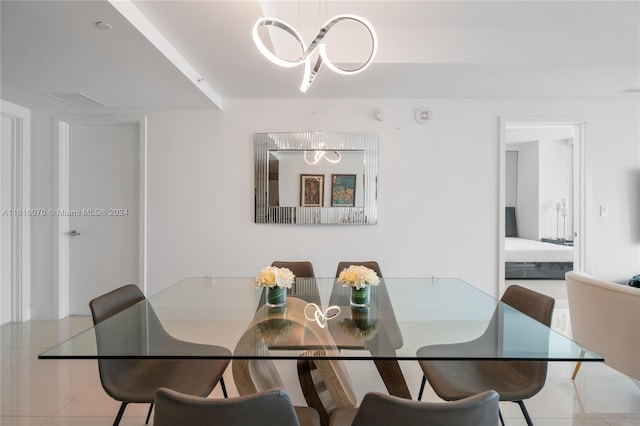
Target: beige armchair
<point>605,317</point>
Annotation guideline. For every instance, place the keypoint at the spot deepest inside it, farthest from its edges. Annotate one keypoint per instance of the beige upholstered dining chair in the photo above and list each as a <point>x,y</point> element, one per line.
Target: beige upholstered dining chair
<point>381,410</point>
<point>268,408</point>
<point>605,317</point>
<point>136,380</point>
<point>513,380</point>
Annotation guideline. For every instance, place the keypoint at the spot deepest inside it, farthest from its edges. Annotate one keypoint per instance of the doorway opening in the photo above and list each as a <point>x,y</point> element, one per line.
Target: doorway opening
<point>86,146</point>
<point>15,224</point>
<point>541,199</point>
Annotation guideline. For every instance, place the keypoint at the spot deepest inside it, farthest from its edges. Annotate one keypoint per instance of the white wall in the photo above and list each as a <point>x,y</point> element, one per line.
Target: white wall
<point>544,178</point>
<point>438,190</point>
<point>556,180</point>
<point>6,284</point>
<point>527,207</point>
<point>511,178</point>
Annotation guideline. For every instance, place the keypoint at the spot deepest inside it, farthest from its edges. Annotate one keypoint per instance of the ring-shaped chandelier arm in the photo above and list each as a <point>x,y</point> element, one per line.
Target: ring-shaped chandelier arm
<point>374,44</point>
<point>309,74</point>
<point>336,156</point>
<point>272,22</point>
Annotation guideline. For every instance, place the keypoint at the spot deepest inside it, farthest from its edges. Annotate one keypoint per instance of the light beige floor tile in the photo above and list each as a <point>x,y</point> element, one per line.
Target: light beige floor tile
<point>22,421</point>
<point>630,421</point>
<point>558,422</point>
<point>551,403</point>
<point>43,387</point>
<point>95,421</point>
<point>9,357</point>
<point>95,402</point>
<point>42,334</point>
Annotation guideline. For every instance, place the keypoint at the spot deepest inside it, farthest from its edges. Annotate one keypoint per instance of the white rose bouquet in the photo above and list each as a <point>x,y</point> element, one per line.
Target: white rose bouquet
<point>358,276</point>
<point>275,277</point>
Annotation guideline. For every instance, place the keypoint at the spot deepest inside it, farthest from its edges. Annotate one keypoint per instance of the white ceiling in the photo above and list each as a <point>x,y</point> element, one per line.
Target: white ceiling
<point>427,49</point>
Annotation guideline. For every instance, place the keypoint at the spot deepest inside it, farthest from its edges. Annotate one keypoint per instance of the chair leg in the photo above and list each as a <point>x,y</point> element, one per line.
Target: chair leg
<point>424,382</point>
<point>525,412</point>
<point>501,419</point>
<point>575,371</point>
<point>146,422</point>
<point>116,422</point>
<point>578,365</point>
<point>224,388</point>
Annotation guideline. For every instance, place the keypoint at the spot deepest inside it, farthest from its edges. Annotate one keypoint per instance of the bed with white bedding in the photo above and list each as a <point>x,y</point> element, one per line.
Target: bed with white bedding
<point>531,259</point>
<point>523,250</point>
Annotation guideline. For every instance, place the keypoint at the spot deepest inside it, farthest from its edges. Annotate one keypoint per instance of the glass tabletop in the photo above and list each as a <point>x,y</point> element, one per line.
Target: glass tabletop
<point>407,319</point>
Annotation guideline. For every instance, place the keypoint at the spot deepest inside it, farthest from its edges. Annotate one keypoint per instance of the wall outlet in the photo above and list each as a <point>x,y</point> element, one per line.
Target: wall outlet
<point>604,211</point>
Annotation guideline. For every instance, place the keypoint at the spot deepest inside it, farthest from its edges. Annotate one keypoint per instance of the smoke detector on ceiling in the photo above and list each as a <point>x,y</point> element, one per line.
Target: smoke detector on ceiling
<point>423,115</point>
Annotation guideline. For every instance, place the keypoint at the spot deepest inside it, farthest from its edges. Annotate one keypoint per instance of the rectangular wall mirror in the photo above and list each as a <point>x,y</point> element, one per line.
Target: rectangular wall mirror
<point>316,178</point>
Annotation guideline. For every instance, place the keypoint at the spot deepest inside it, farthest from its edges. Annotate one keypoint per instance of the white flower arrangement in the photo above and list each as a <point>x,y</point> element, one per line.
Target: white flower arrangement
<point>272,276</point>
<point>358,276</point>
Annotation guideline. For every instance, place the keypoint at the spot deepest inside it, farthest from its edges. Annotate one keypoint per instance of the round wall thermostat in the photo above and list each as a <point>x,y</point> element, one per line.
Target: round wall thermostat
<point>423,115</point>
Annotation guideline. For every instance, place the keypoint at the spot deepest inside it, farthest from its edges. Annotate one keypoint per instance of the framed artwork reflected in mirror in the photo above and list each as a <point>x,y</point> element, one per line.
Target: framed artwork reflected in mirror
<point>343,190</point>
<point>311,190</point>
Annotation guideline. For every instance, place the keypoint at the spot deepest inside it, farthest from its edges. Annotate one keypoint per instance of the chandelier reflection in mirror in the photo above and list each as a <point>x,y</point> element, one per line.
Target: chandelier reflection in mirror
<point>314,157</point>
<point>316,44</point>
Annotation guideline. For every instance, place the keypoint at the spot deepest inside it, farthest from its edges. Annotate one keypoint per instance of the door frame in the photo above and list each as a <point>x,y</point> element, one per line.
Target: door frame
<point>21,201</point>
<point>579,186</point>
<point>62,126</point>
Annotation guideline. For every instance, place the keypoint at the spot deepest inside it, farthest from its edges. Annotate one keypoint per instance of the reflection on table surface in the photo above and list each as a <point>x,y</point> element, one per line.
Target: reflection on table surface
<point>405,314</point>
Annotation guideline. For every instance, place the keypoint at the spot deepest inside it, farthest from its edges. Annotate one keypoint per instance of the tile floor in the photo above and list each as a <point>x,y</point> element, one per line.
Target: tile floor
<point>56,393</point>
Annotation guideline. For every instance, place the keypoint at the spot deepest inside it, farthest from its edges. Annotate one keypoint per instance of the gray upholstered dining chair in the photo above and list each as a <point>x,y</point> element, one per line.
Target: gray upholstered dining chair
<point>305,286</point>
<point>300,268</point>
<point>136,380</point>
<point>380,410</point>
<point>514,381</point>
<point>371,264</point>
<point>267,408</point>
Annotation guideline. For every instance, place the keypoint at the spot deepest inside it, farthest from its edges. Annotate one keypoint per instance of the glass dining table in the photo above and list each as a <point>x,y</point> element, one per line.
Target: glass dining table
<point>404,316</point>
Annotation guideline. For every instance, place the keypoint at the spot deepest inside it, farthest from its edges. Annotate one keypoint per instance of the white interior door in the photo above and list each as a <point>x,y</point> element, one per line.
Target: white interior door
<point>103,211</point>
<point>6,308</point>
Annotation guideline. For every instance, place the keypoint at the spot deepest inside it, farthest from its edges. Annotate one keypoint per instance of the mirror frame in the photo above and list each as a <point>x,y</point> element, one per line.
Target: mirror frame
<point>313,141</point>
